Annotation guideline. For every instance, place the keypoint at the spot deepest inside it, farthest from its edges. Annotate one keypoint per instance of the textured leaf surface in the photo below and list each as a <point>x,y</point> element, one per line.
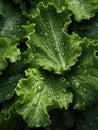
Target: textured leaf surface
<point>83,9</point>
<point>32,10</point>
<point>87,28</point>
<point>49,46</point>
<point>9,79</point>
<point>38,94</point>
<point>9,119</point>
<point>60,4</point>
<point>11,20</point>
<point>1,7</point>
<point>89,119</point>
<point>84,76</point>
<point>8,51</point>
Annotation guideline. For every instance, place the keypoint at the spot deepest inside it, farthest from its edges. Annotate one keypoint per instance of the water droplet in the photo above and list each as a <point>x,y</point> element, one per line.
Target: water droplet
<point>49,95</point>
<point>41,78</point>
<point>46,34</point>
<point>51,89</point>
<point>56,50</point>
<point>63,79</point>
<point>14,84</point>
<point>96,119</point>
<point>10,81</point>
<point>57,97</point>
<point>48,14</point>
<point>50,101</point>
<point>91,124</point>
<point>79,67</point>
<point>64,91</point>
<point>90,98</point>
<point>28,105</point>
<point>62,54</point>
<point>53,45</point>
<point>77,105</point>
<point>51,53</point>
<point>85,82</point>
<point>85,90</point>
<point>47,46</point>
<point>83,103</point>
<point>41,33</point>
<point>84,66</point>
<point>77,85</point>
<point>32,87</point>
<point>17,19</point>
<point>82,93</point>
<point>67,67</point>
<point>96,24</point>
<point>18,15</point>
<point>19,30</point>
<point>18,26</point>
<point>49,27</point>
<point>57,29</point>
<point>39,88</point>
<point>85,71</point>
<point>51,40</point>
<point>63,7</point>
<point>88,76</point>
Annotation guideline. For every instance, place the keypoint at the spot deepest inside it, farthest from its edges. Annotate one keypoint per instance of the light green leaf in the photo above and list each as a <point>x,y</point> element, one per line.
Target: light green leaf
<point>83,9</point>
<point>84,76</point>
<point>8,51</point>
<point>49,46</point>
<point>39,93</point>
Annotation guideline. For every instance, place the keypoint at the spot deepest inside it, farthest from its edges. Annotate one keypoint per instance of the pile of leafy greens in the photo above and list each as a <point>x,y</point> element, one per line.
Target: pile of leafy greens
<point>49,64</point>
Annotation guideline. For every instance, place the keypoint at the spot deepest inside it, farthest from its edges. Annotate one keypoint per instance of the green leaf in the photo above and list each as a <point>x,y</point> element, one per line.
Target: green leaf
<point>39,93</point>
<point>9,119</point>
<point>84,76</point>
<point>62,120</point>
<point>87,28</point>
<point>11,20</point>
<point>17,1</point>
<point>29,8</point>
<point>9,79</point>
<point>8,51</point>
<point>83,9</point>
<point>59,4</point>
<point>89,119</point>
<point>1,8</point>
<point>49,46</point>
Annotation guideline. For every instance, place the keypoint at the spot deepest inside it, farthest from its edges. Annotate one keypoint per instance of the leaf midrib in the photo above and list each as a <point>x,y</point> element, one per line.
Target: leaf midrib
<point>56,43</point>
